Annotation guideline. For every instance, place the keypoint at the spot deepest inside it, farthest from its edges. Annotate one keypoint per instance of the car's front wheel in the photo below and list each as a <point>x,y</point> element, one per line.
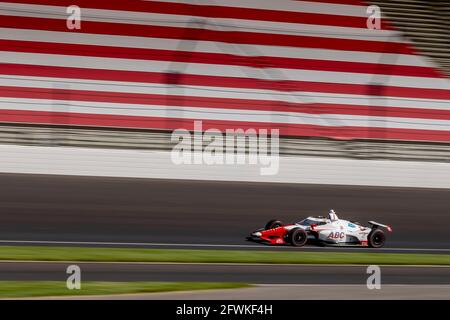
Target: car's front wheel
<point>297,237</point>
<point>272,224</point>
<point>376,238</point>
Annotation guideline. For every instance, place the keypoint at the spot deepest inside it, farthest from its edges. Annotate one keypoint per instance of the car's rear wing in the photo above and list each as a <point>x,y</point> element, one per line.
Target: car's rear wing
<point>376,224</point>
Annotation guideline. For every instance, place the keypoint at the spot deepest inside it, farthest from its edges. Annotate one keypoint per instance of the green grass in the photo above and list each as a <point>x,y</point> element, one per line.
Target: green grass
<point>22,289</point>
<point>216,256</point>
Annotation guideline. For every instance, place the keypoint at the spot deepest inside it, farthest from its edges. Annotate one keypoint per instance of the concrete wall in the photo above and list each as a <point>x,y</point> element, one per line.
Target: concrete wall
<point>158,164</point>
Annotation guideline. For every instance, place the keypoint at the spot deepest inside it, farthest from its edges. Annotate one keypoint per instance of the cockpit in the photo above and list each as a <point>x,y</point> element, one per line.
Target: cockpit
<point>309,221</point>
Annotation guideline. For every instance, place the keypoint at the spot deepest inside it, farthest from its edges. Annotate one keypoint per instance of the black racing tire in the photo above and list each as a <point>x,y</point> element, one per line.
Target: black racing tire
<point>376,238</point>
<point>272,224</point>
<point>297,237</point>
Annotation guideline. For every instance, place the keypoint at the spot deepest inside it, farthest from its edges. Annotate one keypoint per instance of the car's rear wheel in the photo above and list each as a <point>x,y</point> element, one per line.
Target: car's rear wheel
<point>272,224</point>
<point>376,238</point>
<point>297,237</point>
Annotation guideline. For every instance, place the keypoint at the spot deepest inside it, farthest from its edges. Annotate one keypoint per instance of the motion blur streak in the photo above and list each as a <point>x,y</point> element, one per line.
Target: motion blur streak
<point>262,274</point>
<point>62,208</point>
<point>286,54</point>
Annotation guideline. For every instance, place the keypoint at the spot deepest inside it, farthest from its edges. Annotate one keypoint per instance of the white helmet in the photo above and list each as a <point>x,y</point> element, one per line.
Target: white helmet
<point>332,215</point>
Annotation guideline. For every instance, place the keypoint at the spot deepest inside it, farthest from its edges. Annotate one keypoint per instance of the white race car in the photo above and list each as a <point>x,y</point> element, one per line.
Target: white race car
<point>323,231</point>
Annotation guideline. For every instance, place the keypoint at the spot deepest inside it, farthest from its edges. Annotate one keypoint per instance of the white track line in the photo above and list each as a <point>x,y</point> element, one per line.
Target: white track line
<point>199,245</point>
<point>347,285</point>
<point>239,264</point>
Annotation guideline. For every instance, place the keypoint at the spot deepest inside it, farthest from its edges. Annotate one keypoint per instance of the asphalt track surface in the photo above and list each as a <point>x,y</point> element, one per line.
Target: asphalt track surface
<point>251,273</point>
<point>90,211</point>
<point>121,210</point>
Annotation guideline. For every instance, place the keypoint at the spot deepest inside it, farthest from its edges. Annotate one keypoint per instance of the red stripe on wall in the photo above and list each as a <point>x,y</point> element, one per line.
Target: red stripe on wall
<point>225,103</point>
<point>184,33</point>
<point>214,11</point>
<point>215,81</point>
<point>215,58</point>
<point>78,119</point>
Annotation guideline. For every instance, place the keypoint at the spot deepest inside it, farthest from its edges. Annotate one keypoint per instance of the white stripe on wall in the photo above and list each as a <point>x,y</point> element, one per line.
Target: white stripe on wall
<point>218,24</point>
<point>220,70</point>
<point>213,47</point>
<point>220,92</point>
<point>288,5</point>
<point>139,110</point>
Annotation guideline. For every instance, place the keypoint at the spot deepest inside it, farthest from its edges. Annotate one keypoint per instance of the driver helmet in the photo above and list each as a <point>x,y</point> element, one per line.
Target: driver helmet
<point>332,215</point>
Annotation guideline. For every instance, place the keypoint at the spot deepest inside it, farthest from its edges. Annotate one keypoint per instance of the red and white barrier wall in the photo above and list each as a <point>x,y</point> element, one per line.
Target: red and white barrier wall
<point>308,68</point>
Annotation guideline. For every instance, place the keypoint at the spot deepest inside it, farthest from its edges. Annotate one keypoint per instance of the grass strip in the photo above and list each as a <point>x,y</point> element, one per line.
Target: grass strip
<point>43,253</point>
<point>23,289</point>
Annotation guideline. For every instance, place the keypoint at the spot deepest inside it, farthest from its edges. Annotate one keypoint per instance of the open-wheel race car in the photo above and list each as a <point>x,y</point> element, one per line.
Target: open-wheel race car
<point>322,231</point>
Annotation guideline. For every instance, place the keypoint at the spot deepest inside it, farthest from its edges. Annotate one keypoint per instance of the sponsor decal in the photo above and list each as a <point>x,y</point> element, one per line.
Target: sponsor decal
<point>336,235</point>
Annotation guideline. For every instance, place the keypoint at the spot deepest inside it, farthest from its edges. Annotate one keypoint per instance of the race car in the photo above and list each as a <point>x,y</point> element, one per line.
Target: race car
<point>322,231</point>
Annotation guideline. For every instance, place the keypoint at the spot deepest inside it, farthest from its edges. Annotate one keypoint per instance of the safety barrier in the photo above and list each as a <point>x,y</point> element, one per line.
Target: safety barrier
<point>159,140</point>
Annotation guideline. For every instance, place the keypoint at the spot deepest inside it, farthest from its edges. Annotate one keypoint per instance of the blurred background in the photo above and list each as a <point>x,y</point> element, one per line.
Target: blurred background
<point>90,92</point>
<point>136,70</point>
